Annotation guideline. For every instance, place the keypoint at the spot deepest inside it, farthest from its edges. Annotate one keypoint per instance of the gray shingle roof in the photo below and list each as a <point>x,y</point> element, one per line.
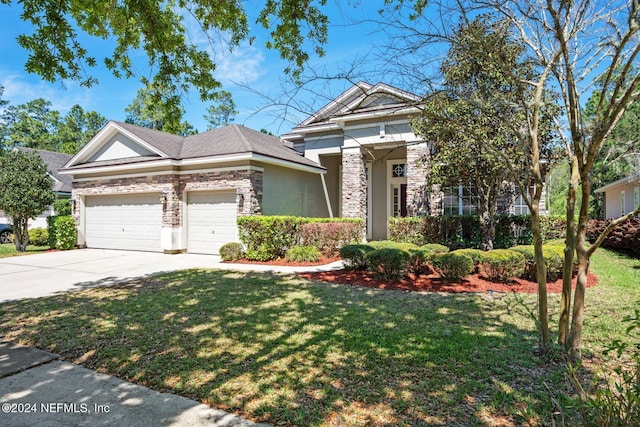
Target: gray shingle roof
<point>227,140</point>
<point>55,162</point>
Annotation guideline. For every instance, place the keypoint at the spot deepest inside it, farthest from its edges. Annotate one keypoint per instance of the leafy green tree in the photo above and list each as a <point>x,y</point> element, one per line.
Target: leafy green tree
<point>77,128</point>
<point>58,47</point>
<point>159,110</point>
<point>25,191</point>
<point>222,112</point>
<point>31,125</point>
<point>469,112</point>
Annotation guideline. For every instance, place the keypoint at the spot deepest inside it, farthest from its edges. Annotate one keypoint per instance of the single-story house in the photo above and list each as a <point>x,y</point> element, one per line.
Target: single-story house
<point>142,189</point>
<point>365,140</point>
<point>621,196</point>
<point>62,184</point>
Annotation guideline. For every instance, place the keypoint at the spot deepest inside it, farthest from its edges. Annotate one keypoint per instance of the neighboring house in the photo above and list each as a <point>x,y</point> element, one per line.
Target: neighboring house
<point>365,141</point>
<point>621,196</point>
<point>142,189</point>
<point>61,183</point>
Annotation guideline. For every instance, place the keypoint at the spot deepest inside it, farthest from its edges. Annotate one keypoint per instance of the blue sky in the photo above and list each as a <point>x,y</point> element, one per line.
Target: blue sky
<point>253,66</point>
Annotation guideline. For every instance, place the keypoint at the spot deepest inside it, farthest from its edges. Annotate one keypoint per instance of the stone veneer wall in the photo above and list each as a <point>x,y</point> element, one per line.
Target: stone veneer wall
<point>418,200</point>
<point>354,185</point>
<point>249,182</point>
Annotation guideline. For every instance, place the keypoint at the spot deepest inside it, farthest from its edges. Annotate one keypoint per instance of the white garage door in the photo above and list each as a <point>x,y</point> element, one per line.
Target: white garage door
<point>124,221</point>
<point>211,220</point>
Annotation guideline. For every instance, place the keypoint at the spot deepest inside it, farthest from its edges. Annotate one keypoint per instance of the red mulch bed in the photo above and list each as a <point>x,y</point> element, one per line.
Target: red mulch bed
<point>433,283</point>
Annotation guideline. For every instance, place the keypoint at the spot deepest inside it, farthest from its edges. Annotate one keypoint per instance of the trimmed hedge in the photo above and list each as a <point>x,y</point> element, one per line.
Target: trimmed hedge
<point>329,237</point>
<point>66,233</point>
<point>269,237</point>
<point>452,265</point>
<point>354,257</point>
<point>553,259</point>
<point>464,231</point>
<point>388,263</point>
<point>502,264</point>
<point>474,254</point>
<point>303,254</point>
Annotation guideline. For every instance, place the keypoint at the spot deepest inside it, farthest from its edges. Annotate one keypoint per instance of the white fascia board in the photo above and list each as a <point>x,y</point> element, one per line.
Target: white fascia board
<point>302,131</point>
<point>191,162</point>
<point>103,136</point>
<point>339,101</point>
<point>342,121</point>
<point>626,180</point>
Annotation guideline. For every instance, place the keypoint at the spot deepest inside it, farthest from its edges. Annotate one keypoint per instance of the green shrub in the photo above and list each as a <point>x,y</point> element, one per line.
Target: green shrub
<point>269,237</point>
<point>51,231</point>
<point>39,236</point>
<point>388,263</point>
<point>354,257</point>
<point>408,230</point>
<point>418,261</point>
<point>231,251</point>
<point>66,232</point>
<point>553,258</point>
<point>261,253</point>
<point>501,264</point>
<point>329,237</point>
<point>435,248</point>
<point>452,265</point>
<point>303,254</point>
<point>62,207</point>
<point>474,254</point>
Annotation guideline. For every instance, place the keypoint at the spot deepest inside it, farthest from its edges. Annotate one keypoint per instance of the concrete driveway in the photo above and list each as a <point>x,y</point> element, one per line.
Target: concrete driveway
<point>48,273</point>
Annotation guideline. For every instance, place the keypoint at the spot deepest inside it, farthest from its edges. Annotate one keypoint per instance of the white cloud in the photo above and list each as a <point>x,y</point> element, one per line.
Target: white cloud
<point>20,88</point>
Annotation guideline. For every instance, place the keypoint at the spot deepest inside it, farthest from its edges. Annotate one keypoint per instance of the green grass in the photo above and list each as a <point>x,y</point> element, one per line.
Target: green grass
<point>9,249</point>
<point>292,352</point>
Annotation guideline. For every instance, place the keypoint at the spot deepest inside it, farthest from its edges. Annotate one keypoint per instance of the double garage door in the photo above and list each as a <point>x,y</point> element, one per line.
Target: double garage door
<point>134,221</point>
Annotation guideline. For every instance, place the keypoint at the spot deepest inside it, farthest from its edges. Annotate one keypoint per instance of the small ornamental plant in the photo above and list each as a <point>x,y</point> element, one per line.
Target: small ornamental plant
<point>303,254</point>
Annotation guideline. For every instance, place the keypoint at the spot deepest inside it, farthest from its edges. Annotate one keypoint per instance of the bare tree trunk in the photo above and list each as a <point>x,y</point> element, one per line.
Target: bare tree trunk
<point>569,251</point>
<point>541,271</point>
<point>20,233</point>
<point>575,337</point>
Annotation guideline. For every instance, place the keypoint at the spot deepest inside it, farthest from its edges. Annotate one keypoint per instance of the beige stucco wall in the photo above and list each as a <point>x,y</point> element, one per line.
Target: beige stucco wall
<point>613,196</point>
<point>292,192</point>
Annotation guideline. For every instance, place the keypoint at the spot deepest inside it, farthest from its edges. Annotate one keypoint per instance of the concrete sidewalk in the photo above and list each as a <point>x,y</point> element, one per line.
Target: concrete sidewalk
<point>36,389</point>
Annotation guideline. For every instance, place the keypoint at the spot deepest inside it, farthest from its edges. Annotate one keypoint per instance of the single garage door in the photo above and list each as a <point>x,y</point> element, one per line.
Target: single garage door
<point>124,221</point>
<point>211,220</point>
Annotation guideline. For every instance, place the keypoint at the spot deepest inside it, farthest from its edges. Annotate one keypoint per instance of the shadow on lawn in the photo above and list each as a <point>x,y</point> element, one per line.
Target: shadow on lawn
<point>284,350</point>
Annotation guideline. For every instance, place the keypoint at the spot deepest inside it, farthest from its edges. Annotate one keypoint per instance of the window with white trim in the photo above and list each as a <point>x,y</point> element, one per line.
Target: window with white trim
<point>460,200</point>
<point>622,202</point>
<point>520,206</point>
<point>636,197</point>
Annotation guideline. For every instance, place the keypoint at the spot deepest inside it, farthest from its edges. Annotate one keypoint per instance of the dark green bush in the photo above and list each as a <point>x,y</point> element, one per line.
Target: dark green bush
<point>62,207</point>
<point>388,263</point>
<point>354,257</point>
<point>436,248</point>
<point>474,254</point>
<point>553,259</point>
<point>39,236</point>
<point>231,251</point>
<point>502,264</point>
<point>464,231</point>
<point>66,232</point>
<point>419,260</point>
<point>451,265</point>
<point>303,254</point>
<point>51,231</point>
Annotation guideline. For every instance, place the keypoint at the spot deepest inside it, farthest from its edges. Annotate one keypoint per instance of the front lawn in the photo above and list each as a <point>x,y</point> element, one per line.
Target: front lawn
<point>9,249</point>
<point>290,351</point>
